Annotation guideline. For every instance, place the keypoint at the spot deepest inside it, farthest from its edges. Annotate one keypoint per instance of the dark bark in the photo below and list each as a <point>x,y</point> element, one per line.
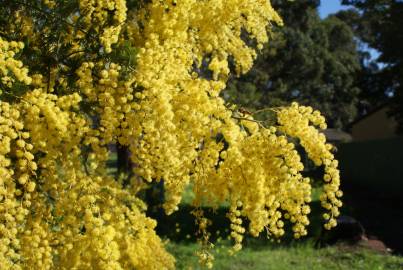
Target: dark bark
<point>124,164</point>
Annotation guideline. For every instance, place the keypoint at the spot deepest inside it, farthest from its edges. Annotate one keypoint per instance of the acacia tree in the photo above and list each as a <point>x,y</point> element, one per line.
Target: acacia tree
<point>78,76</point>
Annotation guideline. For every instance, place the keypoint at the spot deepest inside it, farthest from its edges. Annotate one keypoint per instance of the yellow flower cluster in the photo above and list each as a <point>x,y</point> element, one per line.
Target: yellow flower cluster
<point>55,215</point>
<point>49,3</point>
<point>22,24</point>
<point>42,174</point>
<point>300,121</point>
<point>115,99</point>
<point>96,14</point>
<point>10,68</point>
<point>179,111</point>
<point>17,169</point>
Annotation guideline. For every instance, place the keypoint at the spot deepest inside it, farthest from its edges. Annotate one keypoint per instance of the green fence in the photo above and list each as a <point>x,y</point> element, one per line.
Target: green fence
<point>375,165</point>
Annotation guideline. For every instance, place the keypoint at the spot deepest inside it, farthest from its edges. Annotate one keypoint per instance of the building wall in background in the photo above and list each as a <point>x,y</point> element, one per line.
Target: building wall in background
<point>375,126</point>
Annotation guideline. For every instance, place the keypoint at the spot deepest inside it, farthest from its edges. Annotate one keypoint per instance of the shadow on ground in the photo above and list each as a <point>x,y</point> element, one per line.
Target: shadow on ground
<point>380,215</point>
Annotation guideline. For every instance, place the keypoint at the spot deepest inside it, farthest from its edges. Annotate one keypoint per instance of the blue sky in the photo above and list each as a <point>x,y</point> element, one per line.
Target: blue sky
<point>330,6</point>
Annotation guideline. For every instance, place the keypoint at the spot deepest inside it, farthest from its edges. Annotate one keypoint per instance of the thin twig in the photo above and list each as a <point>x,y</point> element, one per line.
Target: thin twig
<point>247,119</point>
<point>266,109</point>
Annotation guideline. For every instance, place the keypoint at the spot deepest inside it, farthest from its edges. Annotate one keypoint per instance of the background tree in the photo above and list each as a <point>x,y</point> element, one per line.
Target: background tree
<point>378,24</point>
<point>309,60</point>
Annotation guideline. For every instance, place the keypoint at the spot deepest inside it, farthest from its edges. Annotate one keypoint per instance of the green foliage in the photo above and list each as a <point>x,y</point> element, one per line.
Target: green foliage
<point>309,60</point>
<point>50,48</point>
<point>379,24</point>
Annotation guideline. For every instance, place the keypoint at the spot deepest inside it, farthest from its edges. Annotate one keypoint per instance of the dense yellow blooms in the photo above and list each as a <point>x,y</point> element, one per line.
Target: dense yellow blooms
<point>10,68</point>
<point>60,209</point>
<point>97,13</point>
<point>296,121</point>
<point>182,111</point>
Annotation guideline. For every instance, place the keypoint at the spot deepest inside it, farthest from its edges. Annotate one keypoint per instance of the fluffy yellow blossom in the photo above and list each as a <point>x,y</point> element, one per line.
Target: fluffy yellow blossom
<point>10,68</point>
<point>96,13</point>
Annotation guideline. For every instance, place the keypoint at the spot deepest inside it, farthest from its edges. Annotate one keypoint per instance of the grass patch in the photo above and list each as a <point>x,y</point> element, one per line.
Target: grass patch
<point>297,257</point>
